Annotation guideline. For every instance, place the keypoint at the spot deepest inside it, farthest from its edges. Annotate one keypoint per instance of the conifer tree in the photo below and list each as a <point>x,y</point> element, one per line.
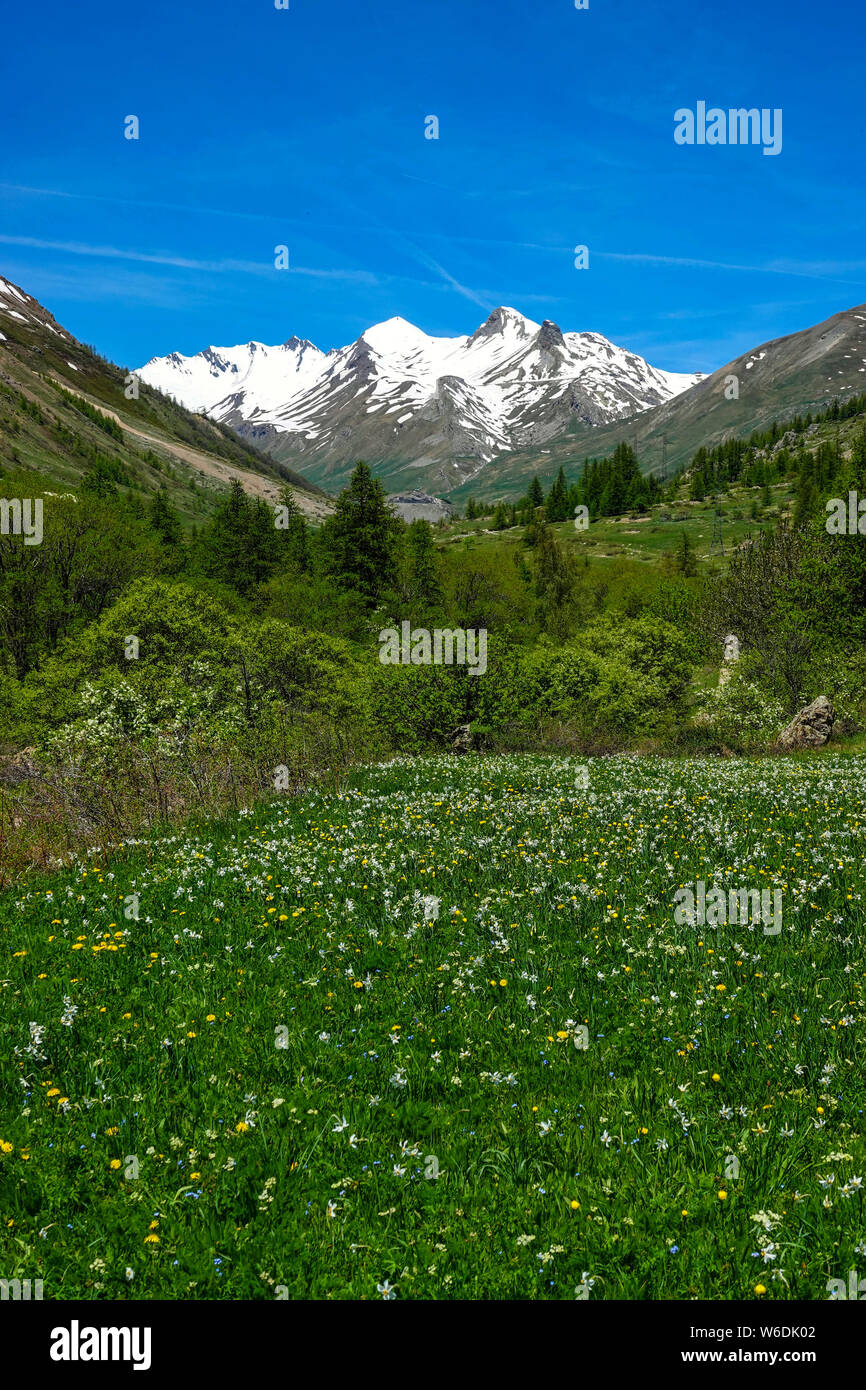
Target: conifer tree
<point>163,517</point>
<point>423,583</point>
<point>685,562</point>
<point>294,535</point>
<point>359,542</point>
<point>555,582</point>
<point>535,493</point>
<point>556,507</point>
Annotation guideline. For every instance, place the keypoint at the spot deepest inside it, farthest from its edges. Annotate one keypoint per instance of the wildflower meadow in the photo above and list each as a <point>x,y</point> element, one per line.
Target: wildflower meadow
<point>437,1033</point>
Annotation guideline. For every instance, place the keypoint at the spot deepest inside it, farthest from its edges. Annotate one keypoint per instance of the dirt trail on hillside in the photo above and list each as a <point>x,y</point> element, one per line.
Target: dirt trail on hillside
<point>251,482</point>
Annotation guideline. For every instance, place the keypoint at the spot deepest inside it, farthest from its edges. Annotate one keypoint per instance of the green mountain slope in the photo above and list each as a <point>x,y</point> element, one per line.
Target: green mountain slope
<point>64,413</point>
<point>799,373</point>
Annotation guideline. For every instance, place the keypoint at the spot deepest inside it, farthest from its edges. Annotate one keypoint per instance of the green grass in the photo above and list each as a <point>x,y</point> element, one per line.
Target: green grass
<point>647,538</point>
<point>711,1052</point>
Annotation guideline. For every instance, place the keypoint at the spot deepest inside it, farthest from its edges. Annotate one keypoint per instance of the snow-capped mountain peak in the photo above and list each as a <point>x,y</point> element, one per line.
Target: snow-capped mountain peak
<point>400,394</point>
<point>504,322</point>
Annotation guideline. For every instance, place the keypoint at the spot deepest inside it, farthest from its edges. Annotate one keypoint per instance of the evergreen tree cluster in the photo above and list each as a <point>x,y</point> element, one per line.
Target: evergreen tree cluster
<point>610,486</point>
<point>757,462</point>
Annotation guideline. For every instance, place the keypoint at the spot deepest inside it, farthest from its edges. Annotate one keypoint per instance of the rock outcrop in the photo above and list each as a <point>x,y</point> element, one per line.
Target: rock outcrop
<point>731,656</point>
<point>461,739</point>
<point>811,728</point>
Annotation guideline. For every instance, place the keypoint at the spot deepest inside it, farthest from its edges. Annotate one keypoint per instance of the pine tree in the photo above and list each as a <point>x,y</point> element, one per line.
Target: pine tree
<point>556,507</point>
<point>238,544</point>
<point>697,486</point>
<point>685,562</point>
<point>293,537</point>
<point>163,517</point>
<point>807,501</point>
<point>423,584</point>
<point>223,540</point>
<point>535,493</point>
<point>555,582</point>
<point>359,540</point>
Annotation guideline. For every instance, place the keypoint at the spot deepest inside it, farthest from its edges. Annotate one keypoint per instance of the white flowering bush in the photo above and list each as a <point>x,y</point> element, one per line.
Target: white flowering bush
<point>742,714</point>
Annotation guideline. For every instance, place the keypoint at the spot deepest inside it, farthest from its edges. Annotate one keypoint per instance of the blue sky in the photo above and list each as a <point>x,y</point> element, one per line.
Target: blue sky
<point>305,127</point>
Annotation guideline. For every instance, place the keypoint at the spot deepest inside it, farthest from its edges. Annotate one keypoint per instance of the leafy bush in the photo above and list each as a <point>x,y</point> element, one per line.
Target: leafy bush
<point>744,715</point>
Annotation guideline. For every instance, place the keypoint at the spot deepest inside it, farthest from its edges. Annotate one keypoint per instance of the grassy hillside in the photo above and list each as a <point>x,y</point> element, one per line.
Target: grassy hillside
<point>64,413</point>
<point>800,373</point>
<point>647,534</point>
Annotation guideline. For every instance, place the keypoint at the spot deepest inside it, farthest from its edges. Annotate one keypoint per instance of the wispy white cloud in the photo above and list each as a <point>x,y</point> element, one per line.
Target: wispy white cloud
<point>116,253</point>
<point>154,203</point>
<point>428,261</point>
<point>228,265</point>
<point>801,270</point>
<point>486,299</point>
